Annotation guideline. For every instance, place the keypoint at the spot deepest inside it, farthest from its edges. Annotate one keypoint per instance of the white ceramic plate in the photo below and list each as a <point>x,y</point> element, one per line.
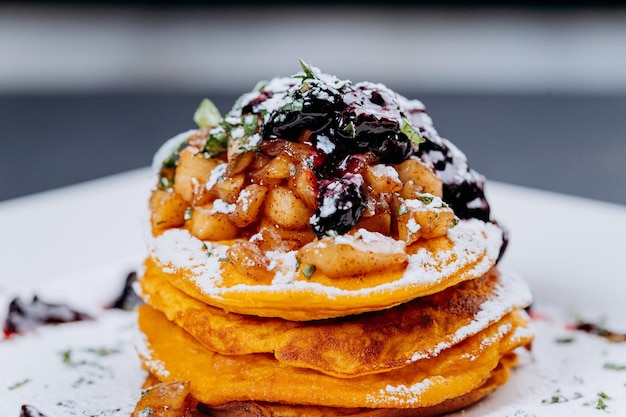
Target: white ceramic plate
<point>77,244</point>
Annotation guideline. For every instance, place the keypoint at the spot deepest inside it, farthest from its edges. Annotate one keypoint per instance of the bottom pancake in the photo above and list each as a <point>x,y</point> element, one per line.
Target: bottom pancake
<point>174,398</point>
<point>498,377</point>
<point>171,354</point>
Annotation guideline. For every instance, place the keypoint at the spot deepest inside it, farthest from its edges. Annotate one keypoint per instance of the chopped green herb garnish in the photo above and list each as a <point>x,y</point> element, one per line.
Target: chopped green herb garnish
<point>600,403</point>
<point>410,132</point>
<point>295,105</point>
<point>426,198</point>
<point>308,270</point>
<point>223,259</point>
<point>188,213</point>
<point>454,222</point>
<point>558,397</point>
<point>350,129</point>
<point>216,142</point>
<point>554,400</point>
<point>615,366</point>
<point>308,71</point>
<point>250,123</point>
<point>403,209</point>
<point>66,356</point>
<point>172,160</point>
<point>103,351</point>
<point>565,340</point>
<point>207,114</point>
<point>19,384</point>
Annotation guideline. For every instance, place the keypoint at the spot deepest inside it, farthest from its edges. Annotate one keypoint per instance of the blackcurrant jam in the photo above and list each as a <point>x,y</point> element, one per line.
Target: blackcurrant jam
<point>24,316</point>
<point>128,299</point>
<point>30,411</point>
<point>346,122</point>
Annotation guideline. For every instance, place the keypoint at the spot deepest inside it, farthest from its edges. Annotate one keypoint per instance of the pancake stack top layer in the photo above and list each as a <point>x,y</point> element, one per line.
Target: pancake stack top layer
<point>322,246</point>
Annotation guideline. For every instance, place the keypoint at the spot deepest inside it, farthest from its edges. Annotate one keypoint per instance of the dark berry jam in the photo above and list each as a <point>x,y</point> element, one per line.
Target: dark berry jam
<point>30,411</point>
<point>350,123</point>
<point>128,300</point>
<point>24,316</point>
<point>341,204</point>
<point>601,331</point>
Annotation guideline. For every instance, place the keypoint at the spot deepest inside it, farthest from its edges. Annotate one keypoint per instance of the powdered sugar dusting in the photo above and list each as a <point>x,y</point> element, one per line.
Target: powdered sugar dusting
<point>503,330</point>
<point>156,366</point>
<point>472,239</point>
<point>244,199</point>
<point>177,250</point>
<point>221,206</point>
<point>385,171</point>
<point>365,240</point>
<point>217,174</point>
<point>473,242</point>
<point>511,292</point>
<point>284,265</point>
<point>401,394</point>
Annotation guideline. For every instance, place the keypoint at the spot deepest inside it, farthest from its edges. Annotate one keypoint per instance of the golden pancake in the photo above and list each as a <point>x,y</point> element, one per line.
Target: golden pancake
<point>175,396</point>
<point>199,269</point>
<point>498,377</point>
<point>349,346</point>
<point>171,354</point>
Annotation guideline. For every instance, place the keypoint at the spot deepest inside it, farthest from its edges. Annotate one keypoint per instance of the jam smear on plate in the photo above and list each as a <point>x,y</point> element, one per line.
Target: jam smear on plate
<point>24,316</point>
<point>599,330</point>
<point>128,299</point>
<point>30,411</point>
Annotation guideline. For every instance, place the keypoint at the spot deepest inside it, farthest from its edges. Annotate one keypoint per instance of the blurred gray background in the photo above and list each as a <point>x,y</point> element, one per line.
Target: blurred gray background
<point>535,96</point>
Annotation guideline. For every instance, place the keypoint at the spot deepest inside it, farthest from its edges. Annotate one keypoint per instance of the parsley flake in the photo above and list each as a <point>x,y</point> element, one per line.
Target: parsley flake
<point>426,198</point>
<point>454,222</point>
<point>558,397</point>
<point>308,70</point>
<point>600,403</point>
<point>615,366</point>
<point>410,132</point>
<point>103,352</point>
<point>308,270</point>
<point>19,384</point>
<point>350,129</point>
<point>207,114</point>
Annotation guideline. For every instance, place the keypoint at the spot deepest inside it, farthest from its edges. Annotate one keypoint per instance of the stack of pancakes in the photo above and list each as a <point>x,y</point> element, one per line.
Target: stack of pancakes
<point>396,308</point>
